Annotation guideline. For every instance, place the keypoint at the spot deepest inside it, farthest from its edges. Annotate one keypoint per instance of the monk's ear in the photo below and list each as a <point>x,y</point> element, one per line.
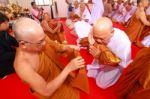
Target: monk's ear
<point>22,44</point>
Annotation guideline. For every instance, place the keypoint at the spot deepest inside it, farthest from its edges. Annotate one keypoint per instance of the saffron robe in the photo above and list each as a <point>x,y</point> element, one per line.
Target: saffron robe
<point>136,81</point>
<point>134,29</point>
<point>50,67</point>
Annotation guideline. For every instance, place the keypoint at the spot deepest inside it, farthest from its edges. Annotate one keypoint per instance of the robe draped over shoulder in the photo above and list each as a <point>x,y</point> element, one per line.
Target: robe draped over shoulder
<point>50,67</point>
<point>134,29</point>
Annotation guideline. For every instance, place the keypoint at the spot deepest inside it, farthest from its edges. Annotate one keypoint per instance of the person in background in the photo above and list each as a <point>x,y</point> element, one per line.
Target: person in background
<point>7,48</point>
<point>36,12</point>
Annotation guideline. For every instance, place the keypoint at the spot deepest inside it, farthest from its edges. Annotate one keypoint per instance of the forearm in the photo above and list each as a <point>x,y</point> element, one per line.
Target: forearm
<point>53,85</point>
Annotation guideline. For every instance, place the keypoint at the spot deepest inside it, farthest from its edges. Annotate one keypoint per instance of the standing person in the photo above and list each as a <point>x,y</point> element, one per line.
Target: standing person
<point>97,10</point>
<point>7,48</point>
<point>36,12</point>
<point>70,7</point>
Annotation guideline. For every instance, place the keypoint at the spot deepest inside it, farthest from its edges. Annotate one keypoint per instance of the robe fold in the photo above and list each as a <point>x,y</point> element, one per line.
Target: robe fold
<point>50,67</point>
<point>136,81</point>
<point>134,29</point>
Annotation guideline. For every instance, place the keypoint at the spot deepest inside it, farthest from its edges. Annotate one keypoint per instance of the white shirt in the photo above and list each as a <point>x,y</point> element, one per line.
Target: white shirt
<point>106,75</point>
<point>82,29</point>
<point>146,41</point>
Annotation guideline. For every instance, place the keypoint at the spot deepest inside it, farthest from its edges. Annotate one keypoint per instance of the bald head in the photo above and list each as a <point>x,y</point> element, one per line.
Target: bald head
<point>103,28</point>
<point>27,29</point>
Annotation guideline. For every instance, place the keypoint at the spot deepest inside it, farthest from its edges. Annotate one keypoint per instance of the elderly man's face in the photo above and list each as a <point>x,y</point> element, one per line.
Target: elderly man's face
<point>102,37</point>
<point>35,43</point>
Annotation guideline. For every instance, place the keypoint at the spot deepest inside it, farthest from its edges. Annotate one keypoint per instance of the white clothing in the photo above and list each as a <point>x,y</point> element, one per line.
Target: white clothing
<point>146,41</point>
<point>148,10</point>
<point>97,10</point>
<point>120,13</point>
<point>82,30</point>
<point>106,75</point>
<point>86,15</point>
<point>76,11</point>
<point>35,13</point>
<point>129,14</point>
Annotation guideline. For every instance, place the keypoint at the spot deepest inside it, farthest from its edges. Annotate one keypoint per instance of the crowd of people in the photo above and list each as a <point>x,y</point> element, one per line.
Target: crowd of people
<point>44,41</point>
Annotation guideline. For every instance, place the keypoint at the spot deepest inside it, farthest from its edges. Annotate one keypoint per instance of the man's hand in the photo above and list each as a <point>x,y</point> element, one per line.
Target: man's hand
<point>94,51</point>
<point>71,46</point>
<point>75,64</point>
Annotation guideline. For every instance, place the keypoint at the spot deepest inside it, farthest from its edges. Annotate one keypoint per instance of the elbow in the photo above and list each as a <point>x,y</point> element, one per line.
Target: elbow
<point>46,93</point>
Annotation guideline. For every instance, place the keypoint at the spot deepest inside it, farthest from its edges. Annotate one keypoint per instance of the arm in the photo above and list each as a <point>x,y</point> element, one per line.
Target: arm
<point>47,28</point>
<point>38,84</point>
<point>143,18</point>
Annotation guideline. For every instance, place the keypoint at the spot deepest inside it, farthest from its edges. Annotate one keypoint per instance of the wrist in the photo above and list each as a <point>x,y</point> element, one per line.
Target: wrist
<point>67,70</point>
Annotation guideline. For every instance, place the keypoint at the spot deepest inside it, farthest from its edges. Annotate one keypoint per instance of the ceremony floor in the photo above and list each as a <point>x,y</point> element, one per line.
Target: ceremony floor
<point>12,87</point>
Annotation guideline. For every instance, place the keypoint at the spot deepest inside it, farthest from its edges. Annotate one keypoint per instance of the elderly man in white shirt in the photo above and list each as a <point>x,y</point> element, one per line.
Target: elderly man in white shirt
<point>118,43</point>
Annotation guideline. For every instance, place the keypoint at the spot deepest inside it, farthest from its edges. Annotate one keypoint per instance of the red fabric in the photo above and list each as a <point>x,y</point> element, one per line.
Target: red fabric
<point>13,88</point>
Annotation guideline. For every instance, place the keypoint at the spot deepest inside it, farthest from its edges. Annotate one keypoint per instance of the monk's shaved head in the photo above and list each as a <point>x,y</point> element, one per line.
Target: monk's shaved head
<point>103,28</point>
<point>27,29</point>
<point>103,24</point>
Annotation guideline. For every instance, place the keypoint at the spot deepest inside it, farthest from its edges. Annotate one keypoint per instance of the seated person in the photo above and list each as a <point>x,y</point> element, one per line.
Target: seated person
<point>7,48</point>
<point>47,77</point>
<point>81,29</point>
<point>53,29</point>
<point>118,43</point>
<point>137,23</point>
<point>136,82</point>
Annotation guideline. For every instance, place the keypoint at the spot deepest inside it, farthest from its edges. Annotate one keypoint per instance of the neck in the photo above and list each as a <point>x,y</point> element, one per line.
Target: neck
<point>26,52</point>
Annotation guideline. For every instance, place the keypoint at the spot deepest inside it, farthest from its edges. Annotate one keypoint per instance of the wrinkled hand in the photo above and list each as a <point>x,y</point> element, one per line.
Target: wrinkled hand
<point>75,64</point>
<point>94,51</point>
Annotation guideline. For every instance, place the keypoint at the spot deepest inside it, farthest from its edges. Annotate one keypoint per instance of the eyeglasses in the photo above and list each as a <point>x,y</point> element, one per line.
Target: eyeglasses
<point>41,42</point>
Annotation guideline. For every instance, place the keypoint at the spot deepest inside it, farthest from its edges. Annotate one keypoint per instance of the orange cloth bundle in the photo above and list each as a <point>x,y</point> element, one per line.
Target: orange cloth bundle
<point>107,57</point>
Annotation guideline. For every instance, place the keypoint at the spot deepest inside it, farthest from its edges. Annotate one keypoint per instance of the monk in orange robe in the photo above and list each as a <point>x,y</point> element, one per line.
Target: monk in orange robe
<point>37,63</point>
<point>137,23</point>
<point>136,81</point>
<point>53,29</point>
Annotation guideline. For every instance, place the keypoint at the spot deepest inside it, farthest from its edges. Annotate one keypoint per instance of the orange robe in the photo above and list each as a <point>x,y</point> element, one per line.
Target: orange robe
<point>136,81</point>
<point>146,29</point>
<point>59,35</point>
<point>134,29</point>
<point>50,67</point>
